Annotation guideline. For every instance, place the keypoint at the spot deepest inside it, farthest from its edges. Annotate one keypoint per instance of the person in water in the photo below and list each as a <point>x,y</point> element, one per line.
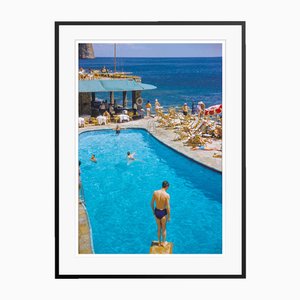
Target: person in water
<point>130,156</point>
<point>161,211</point>
<point>93,158</point>
<point>79,180</point>
<point>118,129</point>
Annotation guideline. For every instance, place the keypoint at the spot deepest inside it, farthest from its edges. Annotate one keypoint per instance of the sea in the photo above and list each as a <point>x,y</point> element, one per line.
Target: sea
<point>178,80</point>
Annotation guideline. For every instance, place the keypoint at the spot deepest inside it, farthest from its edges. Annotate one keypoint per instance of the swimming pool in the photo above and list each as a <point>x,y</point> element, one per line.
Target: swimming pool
<point>118,194</point>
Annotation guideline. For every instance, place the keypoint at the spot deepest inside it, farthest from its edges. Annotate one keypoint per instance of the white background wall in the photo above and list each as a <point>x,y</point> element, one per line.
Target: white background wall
<point>27,149</point>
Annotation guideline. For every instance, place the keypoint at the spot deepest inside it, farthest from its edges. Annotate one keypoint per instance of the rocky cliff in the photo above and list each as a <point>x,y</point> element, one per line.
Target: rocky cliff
<point>86,51</point>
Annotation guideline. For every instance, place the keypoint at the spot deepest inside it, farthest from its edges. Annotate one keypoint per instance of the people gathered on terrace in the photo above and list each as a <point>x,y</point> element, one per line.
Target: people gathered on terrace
<point>196,127</point>
<point>94,74</point>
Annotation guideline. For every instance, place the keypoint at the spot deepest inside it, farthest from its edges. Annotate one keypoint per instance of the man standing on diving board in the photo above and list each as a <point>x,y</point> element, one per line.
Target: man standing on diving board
<point>161,211</point>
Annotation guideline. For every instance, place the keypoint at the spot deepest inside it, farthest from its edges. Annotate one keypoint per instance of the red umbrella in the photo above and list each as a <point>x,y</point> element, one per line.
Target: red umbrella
<point>213,110</point>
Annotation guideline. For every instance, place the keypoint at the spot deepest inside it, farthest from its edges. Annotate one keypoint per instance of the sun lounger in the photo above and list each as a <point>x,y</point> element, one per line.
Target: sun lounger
<point>116,118</point>
<point>93,121</point>
<point>123,118</point>
<point>101,120</point>
<point>81,122</point>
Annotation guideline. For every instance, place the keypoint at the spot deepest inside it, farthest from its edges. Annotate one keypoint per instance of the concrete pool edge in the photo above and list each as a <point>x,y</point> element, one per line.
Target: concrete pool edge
<point>179,152</point>
<point>85,240</point>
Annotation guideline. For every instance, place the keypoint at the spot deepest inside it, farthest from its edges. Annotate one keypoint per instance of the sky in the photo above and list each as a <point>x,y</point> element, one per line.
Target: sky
<point>159,50</point>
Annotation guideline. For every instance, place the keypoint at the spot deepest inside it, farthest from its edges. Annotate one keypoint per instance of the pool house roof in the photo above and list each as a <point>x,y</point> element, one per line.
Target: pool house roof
<point>112,85</point>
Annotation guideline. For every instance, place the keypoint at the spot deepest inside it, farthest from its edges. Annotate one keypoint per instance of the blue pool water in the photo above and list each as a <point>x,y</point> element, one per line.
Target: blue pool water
<point>178,80</point>
<point>118,195</point>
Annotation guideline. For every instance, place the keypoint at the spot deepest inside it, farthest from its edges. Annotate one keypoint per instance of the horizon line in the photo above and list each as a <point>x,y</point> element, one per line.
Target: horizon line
<point>155,57</point>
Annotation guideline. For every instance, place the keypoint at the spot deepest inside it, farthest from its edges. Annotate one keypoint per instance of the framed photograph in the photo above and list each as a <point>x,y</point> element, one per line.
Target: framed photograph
<point>150,150</point>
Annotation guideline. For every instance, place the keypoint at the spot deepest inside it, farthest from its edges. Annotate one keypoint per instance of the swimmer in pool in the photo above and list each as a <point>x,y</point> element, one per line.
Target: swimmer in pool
<point>118,129</point>
<point>93,158</point>
<point>79,184</point>
<point>130,156</point>
<point>161,211</point>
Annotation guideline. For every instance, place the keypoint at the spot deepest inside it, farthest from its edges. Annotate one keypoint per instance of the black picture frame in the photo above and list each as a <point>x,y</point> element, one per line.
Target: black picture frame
<point>242,24</point>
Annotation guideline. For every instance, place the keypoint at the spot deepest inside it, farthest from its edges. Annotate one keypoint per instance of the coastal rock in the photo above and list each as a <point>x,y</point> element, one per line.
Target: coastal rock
<point>86,51</point>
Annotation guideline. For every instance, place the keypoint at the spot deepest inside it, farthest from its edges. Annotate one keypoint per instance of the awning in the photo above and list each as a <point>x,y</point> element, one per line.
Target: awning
<point>213,110</point>
<point>112,85</point>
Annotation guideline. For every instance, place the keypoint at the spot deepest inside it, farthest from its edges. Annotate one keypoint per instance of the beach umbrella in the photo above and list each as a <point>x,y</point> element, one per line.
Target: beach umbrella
<point>213,110</point>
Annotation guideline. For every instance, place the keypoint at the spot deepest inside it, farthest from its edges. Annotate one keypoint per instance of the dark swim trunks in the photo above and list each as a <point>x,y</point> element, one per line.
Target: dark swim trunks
<point>160,213</point>
<point>118,131</point>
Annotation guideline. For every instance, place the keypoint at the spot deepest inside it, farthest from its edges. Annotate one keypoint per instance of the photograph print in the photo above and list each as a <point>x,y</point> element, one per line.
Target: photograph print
<point>150,149</point>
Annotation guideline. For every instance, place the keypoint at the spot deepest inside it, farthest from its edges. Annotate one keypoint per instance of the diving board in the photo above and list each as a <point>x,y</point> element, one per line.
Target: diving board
<point>156,249</point>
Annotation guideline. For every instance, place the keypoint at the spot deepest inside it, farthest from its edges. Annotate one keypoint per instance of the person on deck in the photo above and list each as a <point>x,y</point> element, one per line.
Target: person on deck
<point>104,70</point>
<point>193,107</point>
<point>157,106</point>
<point>162,212</point>
<point>111,109</point>
<point>204,148</point>
<point>198,109</point>
<point>148,108</point>
<point>185,109</point>
<point>134,108</point>
<point>201,111</point>
<point>107,115</point>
